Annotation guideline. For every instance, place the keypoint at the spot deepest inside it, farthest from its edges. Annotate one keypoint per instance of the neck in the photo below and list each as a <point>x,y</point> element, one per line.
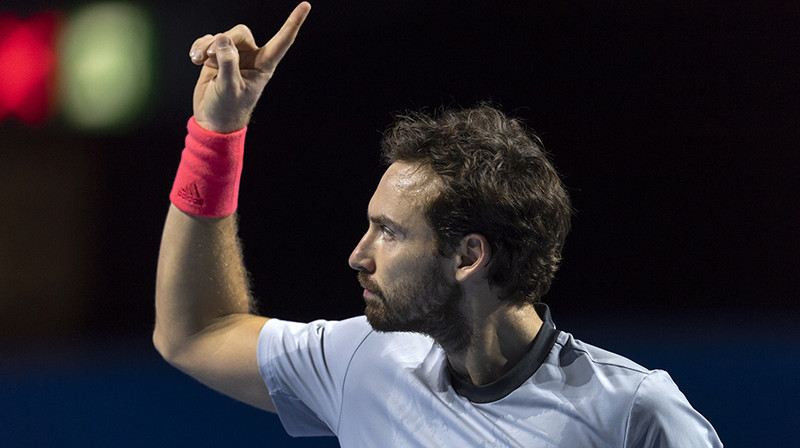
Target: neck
<point>500,335</point>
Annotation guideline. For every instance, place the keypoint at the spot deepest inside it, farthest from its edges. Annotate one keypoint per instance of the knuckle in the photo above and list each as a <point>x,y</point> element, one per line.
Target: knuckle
<point>241,34</point>
<point>242,28</point>
<point>201,40</point>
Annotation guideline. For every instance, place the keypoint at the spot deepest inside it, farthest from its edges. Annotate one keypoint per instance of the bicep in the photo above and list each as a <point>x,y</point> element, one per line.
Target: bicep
<point>223,356</point>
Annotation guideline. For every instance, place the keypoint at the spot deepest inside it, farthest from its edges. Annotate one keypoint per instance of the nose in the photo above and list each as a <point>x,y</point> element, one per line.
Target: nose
<point>361,259</point>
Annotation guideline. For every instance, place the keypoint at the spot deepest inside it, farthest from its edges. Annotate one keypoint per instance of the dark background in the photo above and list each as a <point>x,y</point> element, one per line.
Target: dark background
<point>674,125</point>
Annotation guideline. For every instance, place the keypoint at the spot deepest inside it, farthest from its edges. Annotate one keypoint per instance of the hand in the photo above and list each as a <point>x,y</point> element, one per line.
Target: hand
<point>235,72</point>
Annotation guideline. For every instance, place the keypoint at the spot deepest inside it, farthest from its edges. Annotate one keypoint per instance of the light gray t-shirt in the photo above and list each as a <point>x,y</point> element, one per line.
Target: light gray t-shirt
<point>371,389</point>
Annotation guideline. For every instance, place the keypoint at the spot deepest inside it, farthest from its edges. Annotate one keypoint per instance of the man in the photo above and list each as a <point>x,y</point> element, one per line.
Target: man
<point>465,234</point>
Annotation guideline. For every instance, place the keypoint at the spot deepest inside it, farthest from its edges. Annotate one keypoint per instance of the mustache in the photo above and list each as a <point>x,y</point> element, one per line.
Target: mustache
<point>368,284</point>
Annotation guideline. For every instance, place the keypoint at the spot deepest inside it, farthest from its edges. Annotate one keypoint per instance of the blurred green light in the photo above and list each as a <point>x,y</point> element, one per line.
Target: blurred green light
<point>106,65</point>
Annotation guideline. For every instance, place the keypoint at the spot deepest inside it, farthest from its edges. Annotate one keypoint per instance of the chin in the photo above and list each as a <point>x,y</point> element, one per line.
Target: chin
<point>376,316</point>
<point>380,321</point>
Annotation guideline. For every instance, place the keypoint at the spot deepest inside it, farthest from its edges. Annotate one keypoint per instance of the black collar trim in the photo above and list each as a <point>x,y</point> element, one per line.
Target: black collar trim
<point>524,369</point>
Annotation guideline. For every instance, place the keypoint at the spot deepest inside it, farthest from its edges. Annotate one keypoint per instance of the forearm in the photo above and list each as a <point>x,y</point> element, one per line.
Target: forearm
<point>204,324</point>
<point>201,279</point>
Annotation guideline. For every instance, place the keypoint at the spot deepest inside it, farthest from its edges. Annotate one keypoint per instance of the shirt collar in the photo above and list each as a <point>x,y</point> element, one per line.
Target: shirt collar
<point>520,372</point>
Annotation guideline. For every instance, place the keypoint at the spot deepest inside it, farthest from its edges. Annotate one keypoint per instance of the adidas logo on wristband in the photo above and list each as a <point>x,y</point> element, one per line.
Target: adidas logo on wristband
<point>191,194</point>
<point>207,181</point>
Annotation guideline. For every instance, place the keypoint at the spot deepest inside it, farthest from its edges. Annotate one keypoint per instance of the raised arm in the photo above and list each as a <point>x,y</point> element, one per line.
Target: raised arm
<point>204,320</point>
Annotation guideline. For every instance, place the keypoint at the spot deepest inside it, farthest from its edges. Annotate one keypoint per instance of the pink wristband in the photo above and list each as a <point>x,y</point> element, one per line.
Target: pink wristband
<point>207,182</point>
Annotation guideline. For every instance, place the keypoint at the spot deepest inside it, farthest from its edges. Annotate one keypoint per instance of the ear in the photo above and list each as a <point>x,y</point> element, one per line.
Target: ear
<point>472,256</point>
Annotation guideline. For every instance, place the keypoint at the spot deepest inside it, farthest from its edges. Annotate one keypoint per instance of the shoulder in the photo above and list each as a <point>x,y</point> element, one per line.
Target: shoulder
<point>344,337</point>
<point>646,404</point>
<point>660,415</point>
<point>282,341</point>
<point>348,329</point>
<point>571,348</point>
<point>396,346</point>
<point>593,369</point>
<point>597,384</point>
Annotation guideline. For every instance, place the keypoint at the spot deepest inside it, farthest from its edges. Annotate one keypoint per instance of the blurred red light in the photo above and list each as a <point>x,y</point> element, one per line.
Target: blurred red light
<point>27,66</point>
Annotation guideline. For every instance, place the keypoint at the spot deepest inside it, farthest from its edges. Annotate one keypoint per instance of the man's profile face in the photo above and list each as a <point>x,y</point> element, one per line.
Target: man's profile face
<point>407,285</point>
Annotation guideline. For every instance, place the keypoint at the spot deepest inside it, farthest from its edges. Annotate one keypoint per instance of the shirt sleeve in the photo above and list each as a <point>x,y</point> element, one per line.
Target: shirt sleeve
<point>304,368</point>
<point>661,416</point>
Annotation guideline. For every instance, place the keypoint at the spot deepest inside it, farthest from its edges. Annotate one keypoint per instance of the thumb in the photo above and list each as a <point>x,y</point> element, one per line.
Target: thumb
<point>228,61</point>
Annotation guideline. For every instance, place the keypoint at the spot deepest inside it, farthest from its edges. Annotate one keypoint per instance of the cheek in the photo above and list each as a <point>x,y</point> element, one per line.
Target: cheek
<point>401,265</point>
<point>407,272</point>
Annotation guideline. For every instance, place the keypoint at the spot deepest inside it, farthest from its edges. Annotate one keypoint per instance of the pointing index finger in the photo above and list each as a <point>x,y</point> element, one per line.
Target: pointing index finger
<point>271,54</point>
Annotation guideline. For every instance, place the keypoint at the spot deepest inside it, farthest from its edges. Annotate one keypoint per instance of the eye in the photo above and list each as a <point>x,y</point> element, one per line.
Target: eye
<point>387,232</point>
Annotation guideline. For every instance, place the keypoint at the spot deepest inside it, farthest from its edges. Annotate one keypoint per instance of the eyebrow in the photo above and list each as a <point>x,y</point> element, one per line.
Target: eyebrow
<point>383,220</point>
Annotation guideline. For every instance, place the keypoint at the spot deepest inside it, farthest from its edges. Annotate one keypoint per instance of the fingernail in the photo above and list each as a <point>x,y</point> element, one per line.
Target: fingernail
<point>223,41</point>
<point>194,54</point>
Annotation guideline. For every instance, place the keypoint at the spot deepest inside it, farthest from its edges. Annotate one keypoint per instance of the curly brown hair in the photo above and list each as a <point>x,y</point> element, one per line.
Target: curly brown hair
<point>497,181</point>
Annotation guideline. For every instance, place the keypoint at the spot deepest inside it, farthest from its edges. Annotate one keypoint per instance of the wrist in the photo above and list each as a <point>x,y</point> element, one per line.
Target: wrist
<point>207,181</point>
<point>220,128</point>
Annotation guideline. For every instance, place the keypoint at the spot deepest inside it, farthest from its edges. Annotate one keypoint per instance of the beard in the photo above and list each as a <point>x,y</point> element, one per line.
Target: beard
<point>426,304</point>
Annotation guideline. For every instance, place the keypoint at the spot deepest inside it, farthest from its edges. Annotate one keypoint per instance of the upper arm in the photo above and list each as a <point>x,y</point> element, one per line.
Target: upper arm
<point>223,356</point>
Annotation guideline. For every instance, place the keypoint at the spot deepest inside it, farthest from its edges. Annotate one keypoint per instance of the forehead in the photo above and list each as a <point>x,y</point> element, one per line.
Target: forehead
<point>403,193</point>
